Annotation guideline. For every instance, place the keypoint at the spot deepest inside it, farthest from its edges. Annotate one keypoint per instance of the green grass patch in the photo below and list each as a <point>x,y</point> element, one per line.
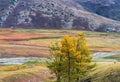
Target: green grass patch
<point>12,67</point>
<point>56,37</point>
<point>33,63</point>
<point>20,30</point>
<point>19,67</point>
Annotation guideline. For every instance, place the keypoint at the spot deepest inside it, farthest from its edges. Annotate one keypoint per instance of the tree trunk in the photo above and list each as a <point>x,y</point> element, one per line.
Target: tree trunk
<point>68,66</point>
<point>77,80</point>
<point>58,79</point>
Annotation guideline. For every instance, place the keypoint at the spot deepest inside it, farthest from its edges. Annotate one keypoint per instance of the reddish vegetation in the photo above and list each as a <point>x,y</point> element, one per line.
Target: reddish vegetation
<point>10,44</point>
<point>14,43</point>
<point>11,35</point>
<point>29,77</point>
<point>16,36</point>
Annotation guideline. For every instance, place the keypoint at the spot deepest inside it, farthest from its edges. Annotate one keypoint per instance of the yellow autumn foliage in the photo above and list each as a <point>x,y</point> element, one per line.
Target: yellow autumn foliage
<point>71,58</point>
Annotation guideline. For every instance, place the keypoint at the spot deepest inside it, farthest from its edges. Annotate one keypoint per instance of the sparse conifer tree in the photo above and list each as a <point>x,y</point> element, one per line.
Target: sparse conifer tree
<point>71,59</point>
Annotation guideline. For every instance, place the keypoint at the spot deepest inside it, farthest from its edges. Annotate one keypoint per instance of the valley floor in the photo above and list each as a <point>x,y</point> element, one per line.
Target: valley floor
<point>17,43</point>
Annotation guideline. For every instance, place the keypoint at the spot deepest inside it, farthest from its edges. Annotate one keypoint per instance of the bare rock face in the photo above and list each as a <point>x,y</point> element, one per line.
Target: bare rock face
<point>58,14</point>
<point>36,13</point>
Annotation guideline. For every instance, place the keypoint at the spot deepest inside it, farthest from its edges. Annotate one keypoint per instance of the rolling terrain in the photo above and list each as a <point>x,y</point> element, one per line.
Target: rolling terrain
<point>19,43</point>
<point>106,8</point>
<point>29,27</point>
<point>57,14</point>
<point>31,42</point>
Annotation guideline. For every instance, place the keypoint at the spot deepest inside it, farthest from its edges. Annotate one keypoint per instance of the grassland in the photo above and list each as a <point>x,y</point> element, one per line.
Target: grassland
<point>106,72</point>
<point>32,42</point>
<point>35,42</point>
<point>24,73</point>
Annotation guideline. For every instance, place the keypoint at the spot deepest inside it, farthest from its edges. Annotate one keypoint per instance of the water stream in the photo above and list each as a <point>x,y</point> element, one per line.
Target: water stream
<point>20,60</point>
<point>98,57</point>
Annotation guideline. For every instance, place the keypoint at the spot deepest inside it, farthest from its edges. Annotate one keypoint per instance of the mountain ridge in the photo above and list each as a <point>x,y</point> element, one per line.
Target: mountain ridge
<point>59,14</point>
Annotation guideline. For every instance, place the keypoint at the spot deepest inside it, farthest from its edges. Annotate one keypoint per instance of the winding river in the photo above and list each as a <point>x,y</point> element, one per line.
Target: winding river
<point>98,57</point>
<point>21,60</point>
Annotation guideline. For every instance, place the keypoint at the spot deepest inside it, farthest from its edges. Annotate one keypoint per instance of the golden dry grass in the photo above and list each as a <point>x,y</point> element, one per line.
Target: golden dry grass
<point>105,70</point>
<point>102,69</point>
<point>35,42</point>
<point>21,50</point>
<point>35,69</point>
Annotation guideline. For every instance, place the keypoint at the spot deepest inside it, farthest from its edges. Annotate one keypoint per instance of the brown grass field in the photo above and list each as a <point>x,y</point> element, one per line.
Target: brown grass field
<point>25,42</point>
<point>35,42</point>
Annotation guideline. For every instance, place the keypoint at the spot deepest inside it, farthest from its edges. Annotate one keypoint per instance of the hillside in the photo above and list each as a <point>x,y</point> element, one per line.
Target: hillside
<point>39,72</point>
<point>106,8</point>
<point>106,72</point>
<point>58,14</point>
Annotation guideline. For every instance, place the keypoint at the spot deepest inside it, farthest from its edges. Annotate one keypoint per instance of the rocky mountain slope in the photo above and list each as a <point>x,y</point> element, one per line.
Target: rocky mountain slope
<point>59,14</point>
<point>106,8</point>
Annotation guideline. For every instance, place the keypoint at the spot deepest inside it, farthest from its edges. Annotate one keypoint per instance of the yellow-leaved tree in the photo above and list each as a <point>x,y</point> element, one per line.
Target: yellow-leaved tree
<point>70,59</point>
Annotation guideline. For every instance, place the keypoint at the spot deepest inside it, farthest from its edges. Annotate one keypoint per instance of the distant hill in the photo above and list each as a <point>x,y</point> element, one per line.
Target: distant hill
<point>106,8</point>
<point>58,14</point>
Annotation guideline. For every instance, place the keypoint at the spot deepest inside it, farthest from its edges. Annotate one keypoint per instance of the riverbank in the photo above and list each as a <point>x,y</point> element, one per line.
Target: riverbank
<point>24,51</point>
<point>97,57</point>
